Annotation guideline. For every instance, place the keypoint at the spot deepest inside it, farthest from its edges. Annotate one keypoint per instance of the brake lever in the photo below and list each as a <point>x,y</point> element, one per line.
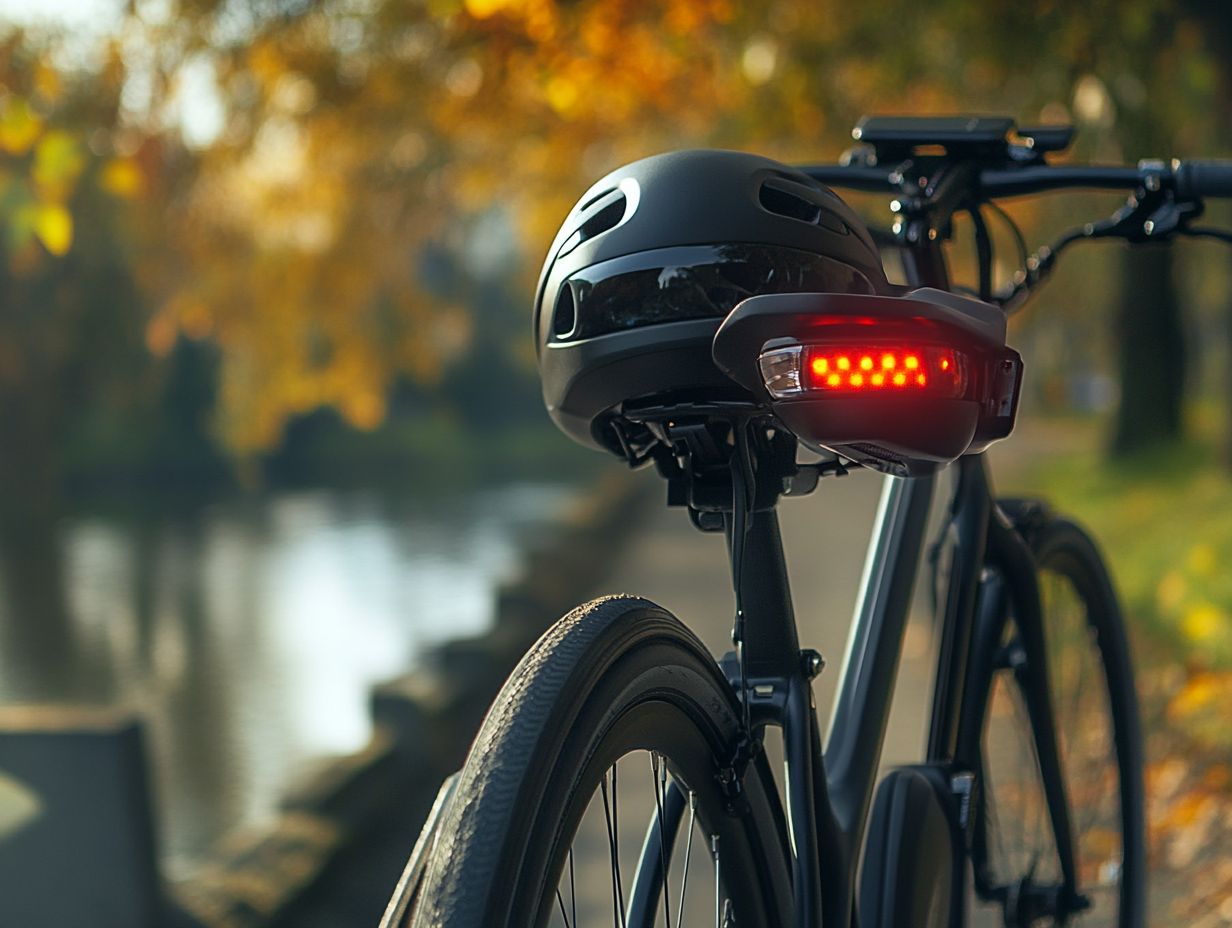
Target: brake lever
<point>1152,214</point>
<point>1149,216</point>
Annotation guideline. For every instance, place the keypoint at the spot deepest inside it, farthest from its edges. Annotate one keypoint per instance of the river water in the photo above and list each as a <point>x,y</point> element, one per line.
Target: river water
<point>248,635</point>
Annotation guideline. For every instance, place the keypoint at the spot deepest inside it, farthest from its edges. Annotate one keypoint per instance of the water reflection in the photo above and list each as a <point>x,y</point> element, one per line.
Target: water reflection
<point>249,635</point>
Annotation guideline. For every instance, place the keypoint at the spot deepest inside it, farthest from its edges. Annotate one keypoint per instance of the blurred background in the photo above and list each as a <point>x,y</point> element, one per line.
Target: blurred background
<point>269,419</point>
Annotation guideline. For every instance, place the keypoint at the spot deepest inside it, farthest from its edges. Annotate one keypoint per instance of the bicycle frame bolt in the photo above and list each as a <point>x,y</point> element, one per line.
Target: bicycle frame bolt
<point>811,662</point>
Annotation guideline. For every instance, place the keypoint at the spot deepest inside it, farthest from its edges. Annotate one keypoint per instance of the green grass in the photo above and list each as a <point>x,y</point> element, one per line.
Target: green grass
<point>1164,520</point>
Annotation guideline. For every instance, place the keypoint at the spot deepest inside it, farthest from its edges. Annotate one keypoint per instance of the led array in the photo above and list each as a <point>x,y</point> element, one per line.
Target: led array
<point>856,368</point>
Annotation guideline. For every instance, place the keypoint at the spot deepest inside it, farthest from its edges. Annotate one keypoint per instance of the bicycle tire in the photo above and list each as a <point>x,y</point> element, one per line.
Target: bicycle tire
<point>614,675</point>
<point>1094,754</point>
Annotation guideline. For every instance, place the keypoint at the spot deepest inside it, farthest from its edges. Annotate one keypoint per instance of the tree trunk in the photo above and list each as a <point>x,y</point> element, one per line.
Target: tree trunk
<point>1152,352</point>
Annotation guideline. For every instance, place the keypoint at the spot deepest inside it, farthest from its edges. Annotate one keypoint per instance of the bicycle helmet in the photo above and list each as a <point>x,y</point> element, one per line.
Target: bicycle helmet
<point>655,255</point>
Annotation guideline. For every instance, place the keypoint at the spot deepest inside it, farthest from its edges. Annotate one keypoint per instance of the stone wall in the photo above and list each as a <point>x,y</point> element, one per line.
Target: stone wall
<point>335,853</point>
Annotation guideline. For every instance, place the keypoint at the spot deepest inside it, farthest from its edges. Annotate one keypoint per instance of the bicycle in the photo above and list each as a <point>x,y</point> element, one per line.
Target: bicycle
<point>1027,614</point>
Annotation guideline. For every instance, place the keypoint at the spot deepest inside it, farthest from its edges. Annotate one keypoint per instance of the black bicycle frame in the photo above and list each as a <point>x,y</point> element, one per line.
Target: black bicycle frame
<point>829,792</point>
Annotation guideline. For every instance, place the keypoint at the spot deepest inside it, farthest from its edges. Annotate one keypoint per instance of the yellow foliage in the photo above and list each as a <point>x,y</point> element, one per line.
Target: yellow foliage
<point>58,162</point>
<point>482,9</point>
<point>562,94</point>
<point>122,177</point>
<point>53,225</point>
<point>1171,592</point>
<point>295,241</point>
<point>196,320</point>
<point>1202,560</point>
<point>365,410</point>
<point>47,82</point>
<point>19,126</point>
<point>1203,622</point>
<point>160,333</point>
<point>1202,692</point>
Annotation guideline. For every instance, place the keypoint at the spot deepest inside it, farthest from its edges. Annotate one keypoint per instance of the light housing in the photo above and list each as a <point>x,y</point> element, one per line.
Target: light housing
<point>902,384</point>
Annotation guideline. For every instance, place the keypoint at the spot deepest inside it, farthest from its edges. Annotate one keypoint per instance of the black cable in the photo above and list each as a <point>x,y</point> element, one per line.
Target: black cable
<point>1019,239</point>
<point>983,251</point>
<point>1220,235</point>
<point>1039,265</point>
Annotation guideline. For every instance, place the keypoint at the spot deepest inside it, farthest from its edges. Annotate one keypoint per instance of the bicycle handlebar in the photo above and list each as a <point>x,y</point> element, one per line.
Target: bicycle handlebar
<point>1012,182</point>
<point>1165,197</point>
<point>1204,178</point>
<point>1190,179</point>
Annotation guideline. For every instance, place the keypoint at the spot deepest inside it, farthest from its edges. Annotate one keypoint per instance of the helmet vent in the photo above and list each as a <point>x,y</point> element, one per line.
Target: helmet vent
<point>595,199</point>
<point>777,197</point>
<point>608,209</point>
<point>564,316</point>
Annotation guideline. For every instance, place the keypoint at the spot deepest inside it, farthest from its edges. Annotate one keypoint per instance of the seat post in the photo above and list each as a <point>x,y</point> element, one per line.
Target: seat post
<point>772,645</point>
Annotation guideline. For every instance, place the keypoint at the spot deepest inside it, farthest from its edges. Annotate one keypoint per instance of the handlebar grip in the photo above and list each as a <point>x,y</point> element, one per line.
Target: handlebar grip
<point>1204,178</point>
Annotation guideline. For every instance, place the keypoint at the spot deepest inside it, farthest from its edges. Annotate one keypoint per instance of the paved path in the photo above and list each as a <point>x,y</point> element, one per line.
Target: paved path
<point>826,537</point>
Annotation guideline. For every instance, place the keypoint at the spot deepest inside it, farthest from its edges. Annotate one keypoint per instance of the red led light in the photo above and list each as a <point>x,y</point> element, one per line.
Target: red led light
<point>888,370</point>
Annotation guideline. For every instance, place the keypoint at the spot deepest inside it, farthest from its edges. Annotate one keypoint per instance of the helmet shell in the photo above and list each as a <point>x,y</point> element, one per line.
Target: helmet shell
<point>716,209</point>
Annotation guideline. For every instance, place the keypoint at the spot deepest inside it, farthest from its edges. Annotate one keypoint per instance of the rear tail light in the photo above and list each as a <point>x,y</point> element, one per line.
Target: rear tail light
<point>864,368</point>
<point>900,383</point>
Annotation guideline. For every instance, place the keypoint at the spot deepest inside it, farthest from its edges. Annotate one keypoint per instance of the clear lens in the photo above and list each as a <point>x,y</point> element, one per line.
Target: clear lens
<point>780,370</point>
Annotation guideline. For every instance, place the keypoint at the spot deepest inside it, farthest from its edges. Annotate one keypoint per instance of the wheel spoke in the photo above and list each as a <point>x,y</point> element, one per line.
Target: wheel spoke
<point>658,773</point>
<point>688,848</point>
<point>618,908</point>
<point>572,888</point>
<point>620,889</point>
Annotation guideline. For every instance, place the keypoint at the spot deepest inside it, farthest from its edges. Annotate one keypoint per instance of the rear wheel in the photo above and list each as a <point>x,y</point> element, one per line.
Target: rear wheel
<point>617,717</point>
<point>1094,708</point>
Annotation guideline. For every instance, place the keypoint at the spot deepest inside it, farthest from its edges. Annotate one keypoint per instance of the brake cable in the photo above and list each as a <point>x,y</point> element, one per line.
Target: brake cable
<point>1150,215</point>
<point>1221,235</point>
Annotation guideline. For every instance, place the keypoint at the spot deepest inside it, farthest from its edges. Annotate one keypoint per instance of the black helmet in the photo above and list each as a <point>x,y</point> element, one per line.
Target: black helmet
<point>656,254</point>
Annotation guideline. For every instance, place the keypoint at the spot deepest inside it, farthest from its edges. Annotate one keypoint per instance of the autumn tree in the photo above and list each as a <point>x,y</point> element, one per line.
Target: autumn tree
<point>358,140</point>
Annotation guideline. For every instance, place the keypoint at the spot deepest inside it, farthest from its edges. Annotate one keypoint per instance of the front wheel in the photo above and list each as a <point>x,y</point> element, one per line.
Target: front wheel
<point>616,718</point>
<point>1085,671</point>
